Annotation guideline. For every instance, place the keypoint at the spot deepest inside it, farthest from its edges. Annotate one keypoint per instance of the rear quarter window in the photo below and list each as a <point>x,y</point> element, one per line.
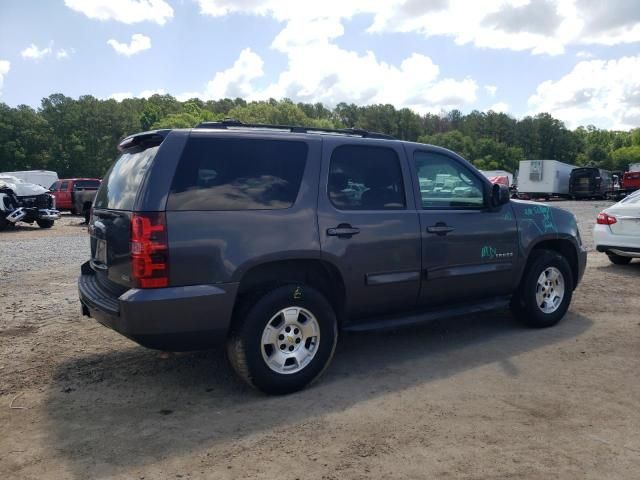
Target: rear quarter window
<point>238,174</point>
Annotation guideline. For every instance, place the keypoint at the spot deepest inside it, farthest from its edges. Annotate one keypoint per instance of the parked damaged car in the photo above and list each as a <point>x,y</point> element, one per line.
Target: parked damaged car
<point>25,202</point>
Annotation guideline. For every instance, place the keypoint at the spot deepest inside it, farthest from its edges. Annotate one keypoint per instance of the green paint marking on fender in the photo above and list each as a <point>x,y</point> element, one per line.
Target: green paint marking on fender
<point>297,293</point>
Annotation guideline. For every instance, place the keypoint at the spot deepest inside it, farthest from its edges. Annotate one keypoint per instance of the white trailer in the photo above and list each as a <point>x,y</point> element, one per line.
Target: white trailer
<point>544,178</point>
<point>634,167</point>
<point>44,178</point>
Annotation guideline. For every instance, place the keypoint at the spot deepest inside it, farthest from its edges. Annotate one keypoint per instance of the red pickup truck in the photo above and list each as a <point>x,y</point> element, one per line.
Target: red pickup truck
<point>75,194</point>
<point>631,181</point>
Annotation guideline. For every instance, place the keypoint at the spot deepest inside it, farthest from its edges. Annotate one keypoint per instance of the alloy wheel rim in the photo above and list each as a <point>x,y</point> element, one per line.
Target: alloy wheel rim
<point>550,290</point>
<point>290,340</point>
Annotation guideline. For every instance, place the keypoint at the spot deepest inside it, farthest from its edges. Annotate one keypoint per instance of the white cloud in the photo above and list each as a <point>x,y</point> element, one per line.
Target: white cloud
<point>320,70</point>
<point>323,72</point>
<point>236,81</point>
<point>5,66</point>
<point>138,44</point>
<point>491,90</point>
<point>605,93</point>
<point>584,54</point>
<point>125,11</point>
<point>500,107</point>
<point>35,53</point>
<point>538,26</point>
<point>119,96</point>
<point>150,93</point>
<point>62,53</point>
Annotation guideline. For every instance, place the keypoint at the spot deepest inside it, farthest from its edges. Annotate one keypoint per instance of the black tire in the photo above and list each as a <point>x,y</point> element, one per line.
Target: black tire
<point>3,221</point>
<point>618,259</point>
<point>87,216</point>
<point>244,348</point>
<point>45,223</point>
<point>524,303</point>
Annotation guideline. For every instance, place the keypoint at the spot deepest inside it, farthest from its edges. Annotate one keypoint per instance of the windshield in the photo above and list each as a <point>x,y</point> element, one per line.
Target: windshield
<point>119,188</point>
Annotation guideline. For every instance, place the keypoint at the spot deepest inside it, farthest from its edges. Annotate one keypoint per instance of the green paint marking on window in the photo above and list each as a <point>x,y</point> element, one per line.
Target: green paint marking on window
<point>297,293</point>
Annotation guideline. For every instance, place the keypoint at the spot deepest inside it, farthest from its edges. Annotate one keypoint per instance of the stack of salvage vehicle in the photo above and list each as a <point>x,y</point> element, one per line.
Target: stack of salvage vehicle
<point>25,202</point>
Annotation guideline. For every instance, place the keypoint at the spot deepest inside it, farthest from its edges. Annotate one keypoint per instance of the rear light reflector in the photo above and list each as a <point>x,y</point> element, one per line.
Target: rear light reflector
<point>149,250</point>
<point>604,219</point>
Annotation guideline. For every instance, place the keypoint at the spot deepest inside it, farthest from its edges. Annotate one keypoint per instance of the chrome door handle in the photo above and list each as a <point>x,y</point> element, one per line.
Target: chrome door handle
<point>439,229</point>
<point>343,231</point>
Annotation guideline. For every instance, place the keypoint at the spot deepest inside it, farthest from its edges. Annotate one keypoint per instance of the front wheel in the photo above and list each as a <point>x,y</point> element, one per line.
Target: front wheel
<point>45,223</point>
<point>545,291</point>
<point>618,259</point>
<point>284,340</point>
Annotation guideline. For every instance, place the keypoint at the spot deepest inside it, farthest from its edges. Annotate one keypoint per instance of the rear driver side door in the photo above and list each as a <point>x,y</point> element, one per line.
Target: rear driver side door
<point>368,225</point>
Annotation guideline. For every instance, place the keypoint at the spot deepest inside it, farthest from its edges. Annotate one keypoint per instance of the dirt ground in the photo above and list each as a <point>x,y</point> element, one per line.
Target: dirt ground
<point>476,397</point>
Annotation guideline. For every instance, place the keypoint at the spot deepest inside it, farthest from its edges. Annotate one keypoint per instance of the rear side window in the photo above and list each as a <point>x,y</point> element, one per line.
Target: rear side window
<point>365,178</point>
<point>238,174</point>
<point>86,184</point>
<point>120,186</point>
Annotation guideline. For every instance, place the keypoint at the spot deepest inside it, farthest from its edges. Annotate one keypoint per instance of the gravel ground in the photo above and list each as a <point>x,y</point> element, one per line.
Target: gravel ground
<point>475,397</point>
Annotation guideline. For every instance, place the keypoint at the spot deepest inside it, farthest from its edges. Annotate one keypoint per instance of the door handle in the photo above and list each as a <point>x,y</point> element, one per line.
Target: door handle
<point>440,229</point>
<point>344,230</point>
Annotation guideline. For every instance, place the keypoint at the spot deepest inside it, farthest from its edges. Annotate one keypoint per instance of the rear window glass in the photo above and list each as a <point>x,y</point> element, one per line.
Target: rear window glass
<point>238,174</point>
<point>80,184</point>
<point>120,186</point>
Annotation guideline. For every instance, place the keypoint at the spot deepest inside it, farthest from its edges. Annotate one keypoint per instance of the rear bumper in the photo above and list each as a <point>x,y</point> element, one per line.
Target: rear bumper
<point>175,318</point>
<point>632,252</point>
<point>606,241</point>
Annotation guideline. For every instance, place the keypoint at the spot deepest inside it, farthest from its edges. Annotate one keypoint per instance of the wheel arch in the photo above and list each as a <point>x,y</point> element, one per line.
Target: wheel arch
<point>319,274</point>
<point>564,247</point>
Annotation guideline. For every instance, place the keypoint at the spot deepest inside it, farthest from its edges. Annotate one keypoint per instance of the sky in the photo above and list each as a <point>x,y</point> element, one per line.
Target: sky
<point>576,59</point>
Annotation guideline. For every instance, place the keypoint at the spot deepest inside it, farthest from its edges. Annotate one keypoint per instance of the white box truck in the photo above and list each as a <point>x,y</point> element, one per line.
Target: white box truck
<point>44,178</point>
<point>544,178</point>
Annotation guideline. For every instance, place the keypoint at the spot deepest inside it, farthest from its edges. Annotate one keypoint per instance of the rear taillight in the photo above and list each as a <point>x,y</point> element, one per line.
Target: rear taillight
<point>604,219</point>
<point>149,250</point>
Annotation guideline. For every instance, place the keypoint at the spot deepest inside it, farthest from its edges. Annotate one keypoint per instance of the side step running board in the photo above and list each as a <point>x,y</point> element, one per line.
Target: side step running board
<point>425,316</point>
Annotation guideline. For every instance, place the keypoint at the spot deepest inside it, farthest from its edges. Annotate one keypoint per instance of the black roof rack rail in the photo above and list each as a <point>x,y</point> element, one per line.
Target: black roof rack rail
<point>233,123</point>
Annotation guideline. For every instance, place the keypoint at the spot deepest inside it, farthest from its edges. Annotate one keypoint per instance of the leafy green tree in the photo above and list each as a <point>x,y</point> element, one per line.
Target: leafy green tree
<point>625,156</point>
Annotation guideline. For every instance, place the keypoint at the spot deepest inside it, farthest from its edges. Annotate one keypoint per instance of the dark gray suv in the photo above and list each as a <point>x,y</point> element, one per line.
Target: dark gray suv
<point>273,239</point>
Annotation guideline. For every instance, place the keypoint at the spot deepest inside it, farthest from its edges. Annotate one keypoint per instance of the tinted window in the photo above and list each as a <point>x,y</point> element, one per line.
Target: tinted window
<point>365,178</point>
<point>120,186</point>
<point>86,184</point>
<point>238,174</point>
<point>64,186</point>
<point>55,186</point>
<point>446,183</point>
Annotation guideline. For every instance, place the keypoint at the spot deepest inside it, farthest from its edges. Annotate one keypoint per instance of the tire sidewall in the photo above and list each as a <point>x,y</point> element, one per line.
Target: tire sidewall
<point>256,320</point>
<point>533,315</point>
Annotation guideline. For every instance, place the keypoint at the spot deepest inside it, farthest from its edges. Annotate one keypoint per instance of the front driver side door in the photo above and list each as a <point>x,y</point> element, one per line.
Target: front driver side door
<point>469,248</point>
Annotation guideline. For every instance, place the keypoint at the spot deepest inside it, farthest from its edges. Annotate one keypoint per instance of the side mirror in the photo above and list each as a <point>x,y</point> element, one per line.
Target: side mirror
<point>500,195</point>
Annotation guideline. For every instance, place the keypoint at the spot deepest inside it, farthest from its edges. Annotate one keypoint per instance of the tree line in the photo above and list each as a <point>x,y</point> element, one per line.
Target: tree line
<point>79,137</point>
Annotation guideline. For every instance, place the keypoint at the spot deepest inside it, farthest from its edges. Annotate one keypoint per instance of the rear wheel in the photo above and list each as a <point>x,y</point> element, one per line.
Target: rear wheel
<point>3,221</point>
<point>545,291</point>
<point>284,339</point>
<point>45,223</point>
<point>618,259</point>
